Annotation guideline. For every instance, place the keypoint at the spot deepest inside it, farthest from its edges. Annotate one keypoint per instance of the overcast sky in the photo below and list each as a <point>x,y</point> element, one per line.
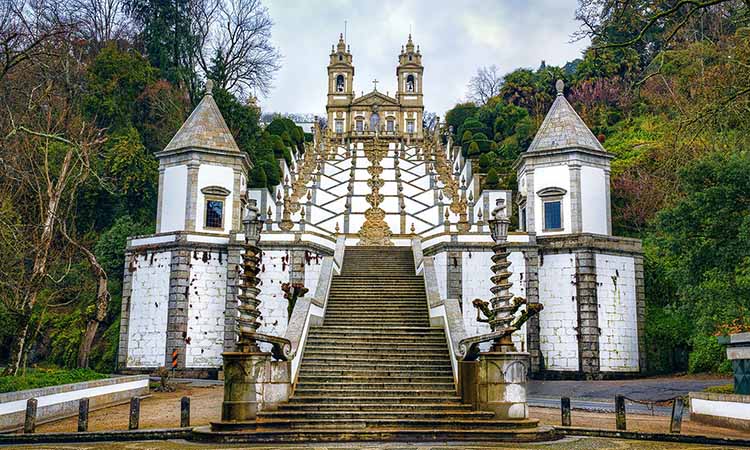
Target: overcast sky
<point>455,36</point>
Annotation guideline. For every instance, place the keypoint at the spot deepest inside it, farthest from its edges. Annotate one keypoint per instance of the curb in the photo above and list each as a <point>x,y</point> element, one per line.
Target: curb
<point>662,437</point>
<point>97,436</point>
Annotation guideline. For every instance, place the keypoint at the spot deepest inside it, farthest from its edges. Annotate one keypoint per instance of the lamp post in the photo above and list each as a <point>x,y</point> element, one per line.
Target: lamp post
<point>249,302</point>
<point>501,300</point>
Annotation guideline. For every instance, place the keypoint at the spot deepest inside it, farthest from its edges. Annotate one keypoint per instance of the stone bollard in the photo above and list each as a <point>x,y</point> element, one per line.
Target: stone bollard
<point>29,425</point>
<point>135,413</point>
<point>675,424</point>
<point>83,415</point>
<point>565,411</point>
<point>185,412</point>
<point>620,412</point>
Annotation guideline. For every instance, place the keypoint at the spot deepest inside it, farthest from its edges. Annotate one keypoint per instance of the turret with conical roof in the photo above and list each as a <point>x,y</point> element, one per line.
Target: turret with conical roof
<point>202,174</point>
<point>340,83</point>
<point>409,73</point>
<point>563,177</point>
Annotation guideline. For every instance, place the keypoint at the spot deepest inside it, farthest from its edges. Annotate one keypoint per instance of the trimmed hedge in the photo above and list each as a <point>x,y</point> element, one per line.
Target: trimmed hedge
<point>39,378</point>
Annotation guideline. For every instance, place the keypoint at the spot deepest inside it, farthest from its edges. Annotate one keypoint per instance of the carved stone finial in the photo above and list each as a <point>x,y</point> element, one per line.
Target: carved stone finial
<point>209,87</point>
<point>560,85</point>
<point>413,228</point>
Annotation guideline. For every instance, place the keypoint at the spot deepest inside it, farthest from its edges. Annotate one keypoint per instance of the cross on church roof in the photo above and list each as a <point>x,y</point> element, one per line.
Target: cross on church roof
<point>375,84</point>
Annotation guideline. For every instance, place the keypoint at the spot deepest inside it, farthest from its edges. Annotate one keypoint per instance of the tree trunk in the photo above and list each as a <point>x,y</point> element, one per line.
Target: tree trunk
<point>18,348</point>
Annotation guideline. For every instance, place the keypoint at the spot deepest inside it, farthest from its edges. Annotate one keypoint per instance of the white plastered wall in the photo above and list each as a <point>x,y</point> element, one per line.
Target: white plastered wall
<point>209,175</point>
<point>618,313</point>
<point>476,271</point>
<point>273,307</point>
<point>558,319</point>
<point>174,198</point>
<point>206,307</point>
<point>594,200</point>
<point>149,303</point>
<point>546,177</point>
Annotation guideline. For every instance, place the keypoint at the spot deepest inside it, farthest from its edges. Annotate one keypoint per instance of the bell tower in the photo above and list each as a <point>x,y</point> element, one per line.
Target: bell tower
<point>340,86</point>
<point>409,94</point>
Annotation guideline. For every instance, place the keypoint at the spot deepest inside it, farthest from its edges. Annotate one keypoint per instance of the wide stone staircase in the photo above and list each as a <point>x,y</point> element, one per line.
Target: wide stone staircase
<point>376,370</point>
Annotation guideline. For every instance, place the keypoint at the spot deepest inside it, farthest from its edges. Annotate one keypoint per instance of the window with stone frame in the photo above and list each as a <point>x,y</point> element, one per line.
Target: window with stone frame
<point>390,125</point>
<point>552,208</point>
<point>410,126</point>
<point>410,83</point>
<point>360,125</point>
<point>522,216</point>
<point>339,126</point>
<point>214,213</point>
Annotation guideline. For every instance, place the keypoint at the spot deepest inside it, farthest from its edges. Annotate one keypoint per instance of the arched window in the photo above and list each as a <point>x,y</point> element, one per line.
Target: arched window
<point>410,83</point>
<point>339,83</point>
<point>341,57</point>
<point>374,121</point>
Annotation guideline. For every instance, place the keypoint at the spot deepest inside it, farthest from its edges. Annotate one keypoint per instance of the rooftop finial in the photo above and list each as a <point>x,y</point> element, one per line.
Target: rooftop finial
<point>559,86</point>
<point>209,87</point>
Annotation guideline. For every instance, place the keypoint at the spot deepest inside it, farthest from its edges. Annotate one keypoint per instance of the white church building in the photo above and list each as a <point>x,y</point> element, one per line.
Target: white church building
<point>181,283</point>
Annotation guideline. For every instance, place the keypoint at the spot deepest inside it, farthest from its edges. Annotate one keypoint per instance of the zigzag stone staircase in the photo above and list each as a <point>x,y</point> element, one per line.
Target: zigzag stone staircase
<point>376,371</point>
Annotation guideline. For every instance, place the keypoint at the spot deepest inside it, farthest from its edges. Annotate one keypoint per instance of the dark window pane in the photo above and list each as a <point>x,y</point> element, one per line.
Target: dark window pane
<point>214,212</point>
<point>552,216</point>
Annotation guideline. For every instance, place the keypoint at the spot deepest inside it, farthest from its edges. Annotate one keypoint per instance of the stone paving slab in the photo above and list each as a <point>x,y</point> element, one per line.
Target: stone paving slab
<point>565,444</point>
<point>641,389</point>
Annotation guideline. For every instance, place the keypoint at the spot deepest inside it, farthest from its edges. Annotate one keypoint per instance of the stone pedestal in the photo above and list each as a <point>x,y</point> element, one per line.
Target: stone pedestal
<point>252,383</point>
<point>738,351</point>
<point>497,383</point>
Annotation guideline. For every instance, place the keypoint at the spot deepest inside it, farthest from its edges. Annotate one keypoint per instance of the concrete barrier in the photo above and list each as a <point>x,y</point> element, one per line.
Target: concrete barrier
<point>724,410</point>
<point>56,402</point>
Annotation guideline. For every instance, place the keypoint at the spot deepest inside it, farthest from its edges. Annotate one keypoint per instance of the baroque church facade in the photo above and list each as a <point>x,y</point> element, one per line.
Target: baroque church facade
<point>352,116</point>
<point>375,176</point>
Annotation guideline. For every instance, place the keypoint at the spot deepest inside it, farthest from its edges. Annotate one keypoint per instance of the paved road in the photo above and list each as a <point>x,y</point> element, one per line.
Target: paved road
<point>565,444</point>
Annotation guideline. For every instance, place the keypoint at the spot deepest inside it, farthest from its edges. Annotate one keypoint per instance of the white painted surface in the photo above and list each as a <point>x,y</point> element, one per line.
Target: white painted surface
<point>153,240</point>
<point>62,397</point>
<point>594,200</point>
<point>733,410</point>
<point>558,319</point>
<point>210,175</point>
<point>149,303</point>
<point>441,270</point>
<point>618,313</point>
<point>206,307</point>
<point>174,199</point>
<point>273,308</point>
<point>546,177</point>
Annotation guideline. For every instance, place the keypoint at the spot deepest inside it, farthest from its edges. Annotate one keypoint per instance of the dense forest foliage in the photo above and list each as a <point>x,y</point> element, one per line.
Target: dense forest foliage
<point>665,86</point>
<point>91,89</point>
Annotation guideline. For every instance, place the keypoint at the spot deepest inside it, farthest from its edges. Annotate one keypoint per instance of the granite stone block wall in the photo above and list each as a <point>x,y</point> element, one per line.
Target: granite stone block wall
<point>147,315</point>
<point>204,342</point>
<point>558,321</point>
<point>618,313</point>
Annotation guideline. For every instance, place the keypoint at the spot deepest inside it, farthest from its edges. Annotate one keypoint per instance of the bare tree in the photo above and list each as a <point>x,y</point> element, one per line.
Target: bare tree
<point>236,46</point>
<point>485,84</point>
<point>25,31</point>
<point>99,21</point>
<point>47,150</point>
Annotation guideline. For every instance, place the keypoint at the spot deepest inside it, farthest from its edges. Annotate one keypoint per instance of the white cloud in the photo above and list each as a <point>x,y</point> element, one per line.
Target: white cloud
<point>455,38</point>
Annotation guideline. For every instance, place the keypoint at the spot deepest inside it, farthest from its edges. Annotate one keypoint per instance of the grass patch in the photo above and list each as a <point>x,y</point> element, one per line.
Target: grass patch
<point>38,378</point>
<point>723,389</point>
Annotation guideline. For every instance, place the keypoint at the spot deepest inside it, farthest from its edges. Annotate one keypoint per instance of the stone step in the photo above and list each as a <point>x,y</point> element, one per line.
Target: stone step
<point>374,407</point>
<point>370,322</point>
<point>346,329</point>
<point>248,432</point>
<point>341,308</point>
<point>385,400</point>
<point>378,316</point>
<point>431,342</point>
<point>371,386</point>
<point>374,365</point>
<point>412,356</point>
<point>396,351</point>
<point>374,423</point>
<point>325,379</point>
<point>326,371</point>
<point>417,413</point>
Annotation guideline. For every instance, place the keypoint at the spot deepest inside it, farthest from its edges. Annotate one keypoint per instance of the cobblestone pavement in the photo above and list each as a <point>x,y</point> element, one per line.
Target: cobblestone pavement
<point>565,444</point>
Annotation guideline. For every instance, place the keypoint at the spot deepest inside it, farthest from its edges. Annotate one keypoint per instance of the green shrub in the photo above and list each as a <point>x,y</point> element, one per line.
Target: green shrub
<point>485,161</point>
<point>707,355</point>
<point>723,389</point>
<point>492,180</point>
<point>466,136</point>
<point>473,150</point>
<point>38,378</point>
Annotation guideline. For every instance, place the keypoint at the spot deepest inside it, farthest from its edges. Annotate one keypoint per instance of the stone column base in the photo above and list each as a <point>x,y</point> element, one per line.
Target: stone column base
<point>497,383</point>
<point>253,382</point>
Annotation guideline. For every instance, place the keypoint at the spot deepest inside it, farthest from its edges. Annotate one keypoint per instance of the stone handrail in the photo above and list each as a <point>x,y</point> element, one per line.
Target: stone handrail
<point>310,310</point>
<point>443,312</point>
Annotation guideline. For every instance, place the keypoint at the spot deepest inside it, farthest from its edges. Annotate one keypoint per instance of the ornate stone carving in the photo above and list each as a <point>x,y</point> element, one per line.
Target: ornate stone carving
<point>375,230</point>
